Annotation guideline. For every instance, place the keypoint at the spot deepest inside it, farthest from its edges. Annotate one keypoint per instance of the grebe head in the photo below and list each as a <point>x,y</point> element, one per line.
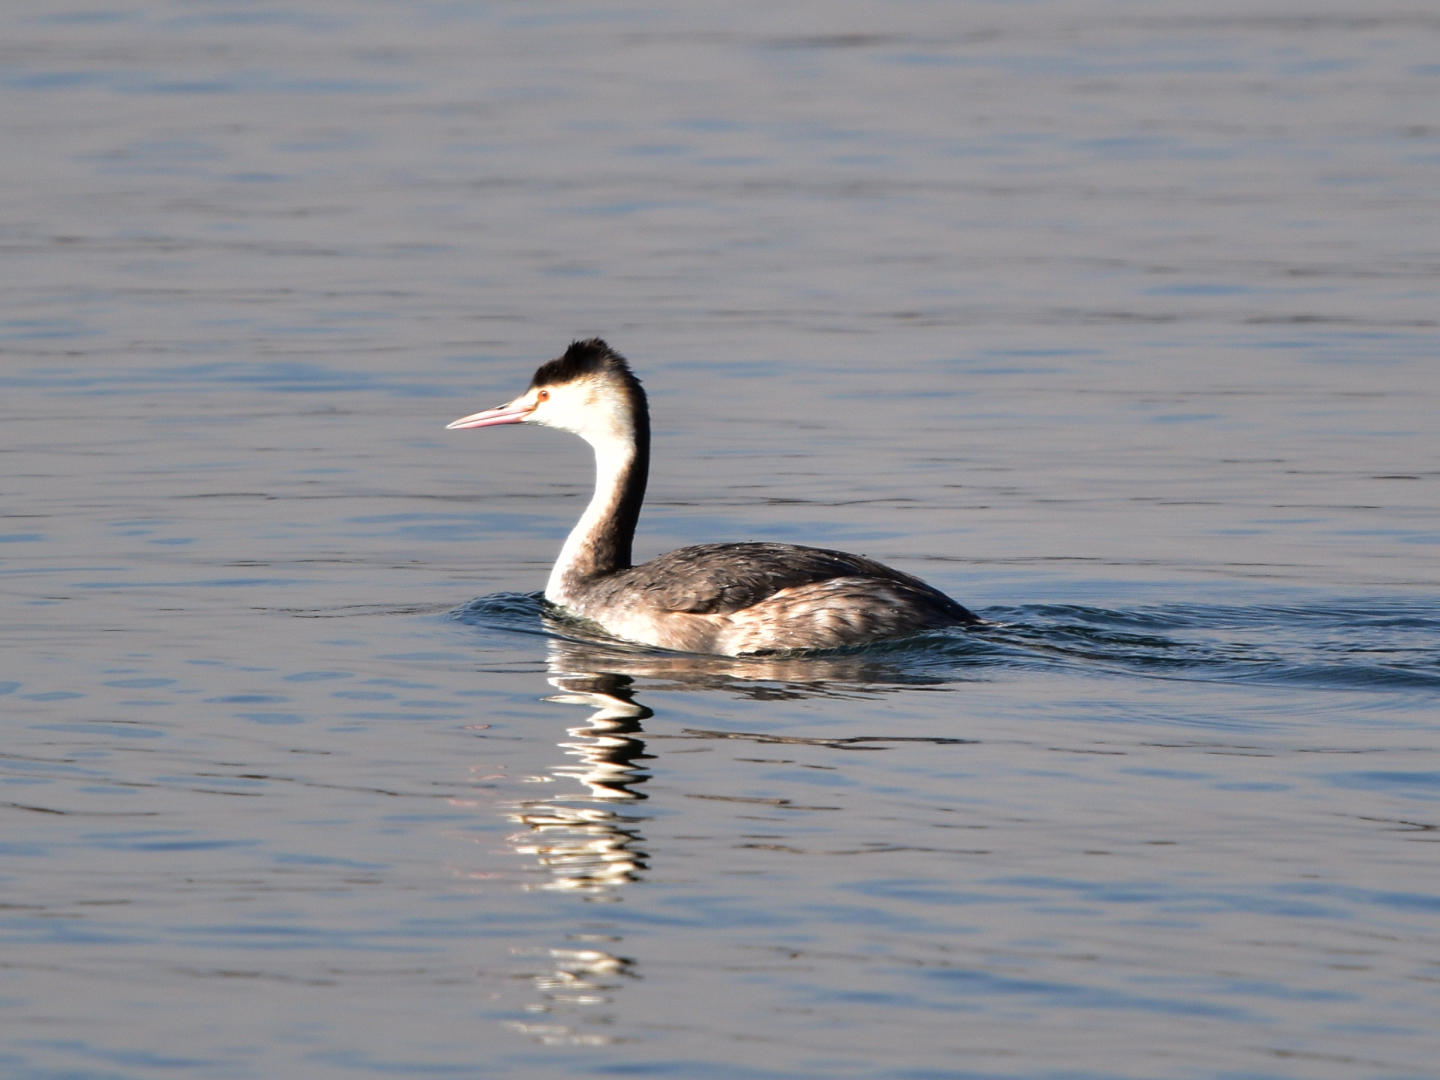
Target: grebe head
<point>590,391</point>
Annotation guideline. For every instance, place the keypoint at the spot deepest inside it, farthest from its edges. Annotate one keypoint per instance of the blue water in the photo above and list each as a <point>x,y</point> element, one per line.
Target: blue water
<point>1117,323</point>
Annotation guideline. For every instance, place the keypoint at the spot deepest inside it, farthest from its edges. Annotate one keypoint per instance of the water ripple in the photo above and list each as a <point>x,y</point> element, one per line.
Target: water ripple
<point>1360,644</point>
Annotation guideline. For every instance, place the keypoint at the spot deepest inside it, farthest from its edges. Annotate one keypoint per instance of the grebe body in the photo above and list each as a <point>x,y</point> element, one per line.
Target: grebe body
<point>725,599</point>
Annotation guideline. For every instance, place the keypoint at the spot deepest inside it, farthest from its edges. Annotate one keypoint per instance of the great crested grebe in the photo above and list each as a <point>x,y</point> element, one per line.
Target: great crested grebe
<point>725,599</point>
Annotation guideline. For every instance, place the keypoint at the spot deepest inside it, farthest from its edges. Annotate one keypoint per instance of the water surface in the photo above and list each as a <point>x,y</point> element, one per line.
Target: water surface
<point>1116,322</point>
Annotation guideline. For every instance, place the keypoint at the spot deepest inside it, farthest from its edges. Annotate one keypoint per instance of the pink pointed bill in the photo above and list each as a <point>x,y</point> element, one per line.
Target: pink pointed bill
<point>513,413</point>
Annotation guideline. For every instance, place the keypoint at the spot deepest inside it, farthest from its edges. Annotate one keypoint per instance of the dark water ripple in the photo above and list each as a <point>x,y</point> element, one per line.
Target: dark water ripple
<point>1359,644</point>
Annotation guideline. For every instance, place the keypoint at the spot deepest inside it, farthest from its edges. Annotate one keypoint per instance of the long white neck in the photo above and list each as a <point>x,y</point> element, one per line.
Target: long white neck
<point>600,542</point>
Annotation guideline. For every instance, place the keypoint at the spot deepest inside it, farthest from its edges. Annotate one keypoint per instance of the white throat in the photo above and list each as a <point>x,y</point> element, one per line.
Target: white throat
<point>614,458</point>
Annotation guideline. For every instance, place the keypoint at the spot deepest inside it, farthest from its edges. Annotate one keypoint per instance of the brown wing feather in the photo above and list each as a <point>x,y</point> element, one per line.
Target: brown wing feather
<point>719,579</point>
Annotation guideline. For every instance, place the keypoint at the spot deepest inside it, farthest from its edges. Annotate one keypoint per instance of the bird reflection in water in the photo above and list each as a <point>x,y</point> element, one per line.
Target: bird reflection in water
<point>937,660</point>
<point>592,847</point>
<point>589,846</point>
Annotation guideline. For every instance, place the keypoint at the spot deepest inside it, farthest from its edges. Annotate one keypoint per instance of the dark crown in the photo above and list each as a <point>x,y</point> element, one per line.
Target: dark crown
<point>581,359</point>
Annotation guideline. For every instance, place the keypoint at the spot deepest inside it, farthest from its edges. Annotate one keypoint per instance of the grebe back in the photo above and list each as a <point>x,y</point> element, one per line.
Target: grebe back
<point>726,599</point>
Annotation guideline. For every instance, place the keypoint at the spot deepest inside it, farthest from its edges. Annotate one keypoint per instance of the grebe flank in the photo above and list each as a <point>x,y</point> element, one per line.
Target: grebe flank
<point>726,599</point>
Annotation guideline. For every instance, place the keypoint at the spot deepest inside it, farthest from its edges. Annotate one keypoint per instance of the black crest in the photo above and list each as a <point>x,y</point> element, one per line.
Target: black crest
<point>585,358</point>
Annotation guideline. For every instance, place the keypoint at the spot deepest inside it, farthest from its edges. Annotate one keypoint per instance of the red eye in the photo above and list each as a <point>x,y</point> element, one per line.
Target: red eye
<point>543,395</point>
